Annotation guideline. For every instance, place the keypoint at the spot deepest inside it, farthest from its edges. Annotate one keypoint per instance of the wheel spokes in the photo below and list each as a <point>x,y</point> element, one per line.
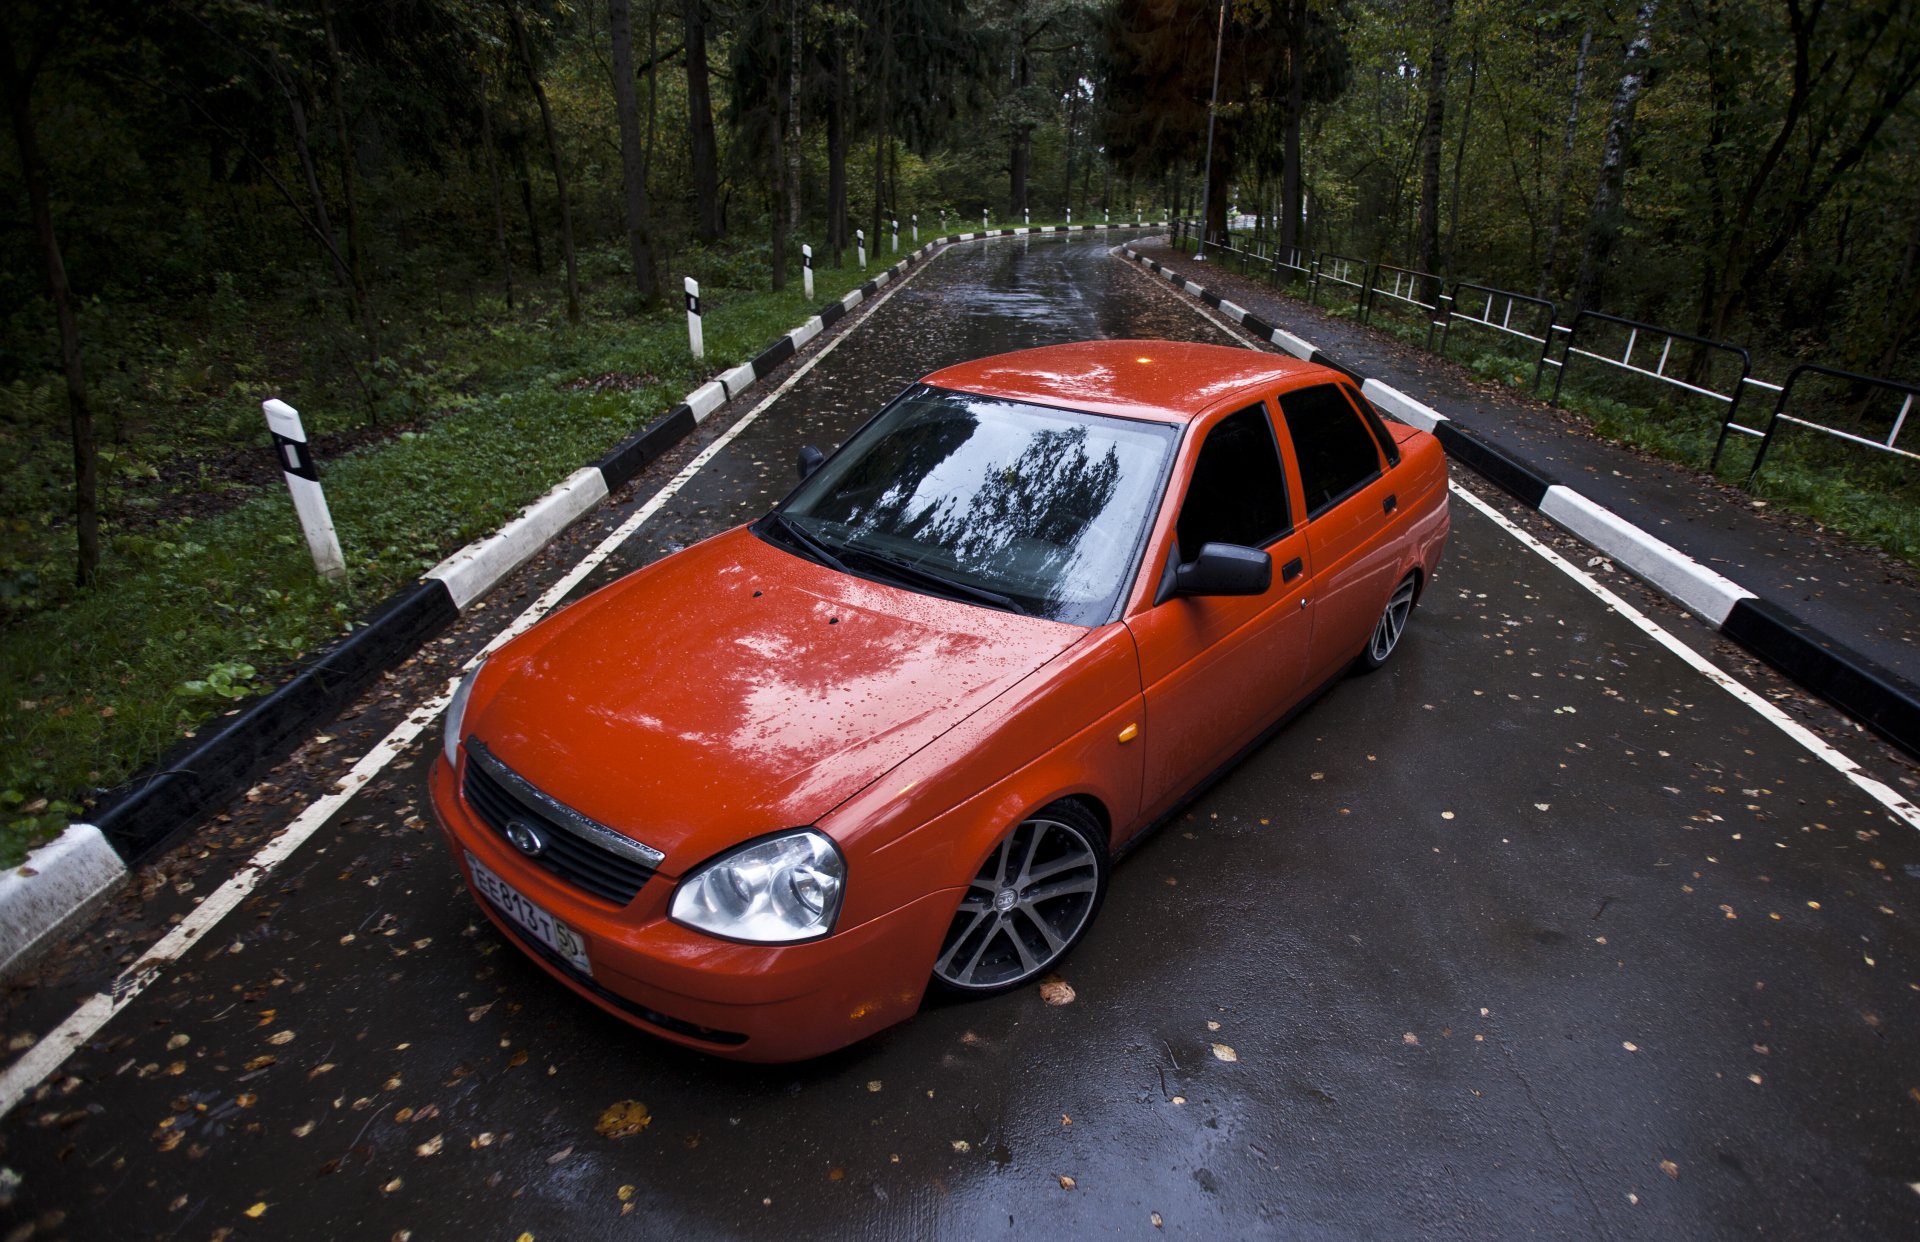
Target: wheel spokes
<point>1030,899</point>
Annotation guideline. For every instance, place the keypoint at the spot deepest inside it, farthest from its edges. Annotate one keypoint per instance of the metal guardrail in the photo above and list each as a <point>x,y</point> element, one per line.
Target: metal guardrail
<point>1400,284</point>
<point>1487,307</point>
<point>1291,260</point>
<point>1339,269</point>
<point>1906,392</point>
<point>1659,373</point>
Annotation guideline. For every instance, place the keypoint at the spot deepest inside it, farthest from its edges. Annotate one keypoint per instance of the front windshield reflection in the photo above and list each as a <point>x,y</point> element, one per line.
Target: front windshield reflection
<point>1044,507</point>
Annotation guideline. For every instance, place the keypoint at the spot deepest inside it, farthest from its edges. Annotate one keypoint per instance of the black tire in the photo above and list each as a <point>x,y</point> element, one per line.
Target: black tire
<point>1392,626</point>
<point>1011,927</point>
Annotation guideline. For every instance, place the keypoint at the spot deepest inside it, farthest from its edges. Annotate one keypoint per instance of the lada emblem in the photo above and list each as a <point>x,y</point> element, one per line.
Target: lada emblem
<point>526,838</point>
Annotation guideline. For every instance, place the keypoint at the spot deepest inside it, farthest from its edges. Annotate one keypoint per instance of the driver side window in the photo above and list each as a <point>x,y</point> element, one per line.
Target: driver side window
<point>1238,493</point>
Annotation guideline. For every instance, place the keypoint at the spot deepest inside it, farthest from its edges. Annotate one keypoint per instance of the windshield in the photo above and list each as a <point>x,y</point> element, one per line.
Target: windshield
<point>1038,510</point>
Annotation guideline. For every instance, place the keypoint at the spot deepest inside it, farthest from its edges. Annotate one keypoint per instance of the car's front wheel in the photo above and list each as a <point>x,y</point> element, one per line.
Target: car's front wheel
<point>1032,900</point>
<point>1392,624</point>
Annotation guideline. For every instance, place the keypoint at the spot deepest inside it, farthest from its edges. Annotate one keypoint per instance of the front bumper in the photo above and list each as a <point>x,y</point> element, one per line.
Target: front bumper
<point>748,1002</point>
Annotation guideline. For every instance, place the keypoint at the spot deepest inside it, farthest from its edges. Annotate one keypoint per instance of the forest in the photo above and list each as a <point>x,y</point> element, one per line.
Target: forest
<point>453,232</point>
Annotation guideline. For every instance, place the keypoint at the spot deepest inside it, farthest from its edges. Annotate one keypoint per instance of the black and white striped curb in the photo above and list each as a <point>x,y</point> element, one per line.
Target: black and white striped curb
<point>64,880</point>
<point>1872,694</point>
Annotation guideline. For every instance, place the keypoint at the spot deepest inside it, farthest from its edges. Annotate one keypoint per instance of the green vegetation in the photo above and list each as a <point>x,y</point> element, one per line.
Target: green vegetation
<point>204,610</point>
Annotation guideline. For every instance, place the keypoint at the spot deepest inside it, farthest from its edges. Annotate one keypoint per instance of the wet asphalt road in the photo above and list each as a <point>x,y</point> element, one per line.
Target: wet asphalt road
<point>1534,933</point>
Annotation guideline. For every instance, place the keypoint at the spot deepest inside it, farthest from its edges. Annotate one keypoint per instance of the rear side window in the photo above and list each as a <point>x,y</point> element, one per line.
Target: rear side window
<point>1238,494</point>
<point>1336,450</point>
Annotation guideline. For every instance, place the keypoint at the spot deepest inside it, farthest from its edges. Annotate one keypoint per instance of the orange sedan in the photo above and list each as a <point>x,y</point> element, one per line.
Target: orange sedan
<point>758,796</point>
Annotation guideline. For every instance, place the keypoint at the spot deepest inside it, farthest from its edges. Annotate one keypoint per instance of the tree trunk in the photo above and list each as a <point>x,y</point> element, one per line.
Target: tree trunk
<point>553,155</point>
<point>526,201</point>
<point>1020,155</point>
<point>349,195</point>
<point>793,139</point>
<point>493,184</point>
<point>776,151</point>
<point>632,170</point>
<point>1073,124</point>
<point>880,133</point>
<point>1566,168</point>
<point>837,147</point>
<point>1459,159</point>
<point>17,83</point>
<point>1290,136</point>
<point>706,169</point>
<point>1430,136</point>
<point>1603,222</point>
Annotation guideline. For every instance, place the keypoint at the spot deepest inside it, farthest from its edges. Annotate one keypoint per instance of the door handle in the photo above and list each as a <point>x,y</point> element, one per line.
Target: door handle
<point>1391,503</point>
<point>1291,570</point>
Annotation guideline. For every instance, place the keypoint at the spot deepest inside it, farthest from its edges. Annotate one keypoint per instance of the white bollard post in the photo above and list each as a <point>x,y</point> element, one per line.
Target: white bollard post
<point>896,237</point>
<point>1106,215</point>
<point>1069,217</point>
<point>806,270</point>
<point>696,341</point>
<point>983,219</point>
<point>861,235</point>
<point>916,228</point>
<point>290,445</point>
<point>1026,217</point>
<point>1136,215</point>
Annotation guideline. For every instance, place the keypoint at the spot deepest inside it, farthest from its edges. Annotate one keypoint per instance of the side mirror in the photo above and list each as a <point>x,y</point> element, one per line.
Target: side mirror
<point>810,459</point>
<point>1225,569</point>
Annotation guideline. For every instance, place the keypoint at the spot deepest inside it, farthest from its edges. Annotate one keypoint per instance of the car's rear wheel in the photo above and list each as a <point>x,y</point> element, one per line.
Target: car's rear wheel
<point>1032,900</point>
<point>1392,624</point>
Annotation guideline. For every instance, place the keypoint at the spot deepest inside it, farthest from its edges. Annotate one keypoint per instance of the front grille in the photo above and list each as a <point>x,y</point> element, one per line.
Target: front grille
<point>578,850</point>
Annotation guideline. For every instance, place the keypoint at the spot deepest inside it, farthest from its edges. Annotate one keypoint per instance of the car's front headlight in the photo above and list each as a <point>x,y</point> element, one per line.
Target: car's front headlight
<point>772,891</point>
<point>457,715</point>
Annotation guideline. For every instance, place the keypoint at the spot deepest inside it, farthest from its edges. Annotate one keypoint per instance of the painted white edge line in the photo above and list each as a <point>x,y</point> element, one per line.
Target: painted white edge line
<point>1708,594</point>
<point>1898,806</point>
<point>471,572</point>
<point>1895,804</point>
<point>40,1061</point>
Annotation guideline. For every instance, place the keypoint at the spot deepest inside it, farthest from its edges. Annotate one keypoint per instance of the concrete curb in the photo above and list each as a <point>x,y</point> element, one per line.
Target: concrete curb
<point>65,879</point>
<point>1872,694</point>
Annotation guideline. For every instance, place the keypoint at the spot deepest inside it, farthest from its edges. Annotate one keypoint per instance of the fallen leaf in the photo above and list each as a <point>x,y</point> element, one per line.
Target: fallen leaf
<point>257,1210</point>
<point>1670,1169</point>
<point>1212,1025</point>
<point>1629,1045</point>
<point>518,1058</point>
<point>431,1147</point>
<point>625,1193</point>
<point>624,1119</point>
<point>1223,1053</point>
<point>303,1129</point>
<point>1056,991</point>
<point>246,1099</point>
<point>961,1145</point>
<point>279,1038</point>
<point>1178,1099</point>
<point>873,1084</point>
<point>482,1139</point>
<point>391,1186</point>
<point>1067,1183</point>
<point>258,1063</point>
<point>1410,1039</point>
<point>178,1042</point>
<point>560,1155</point>
<point>479,1011</point>
<point>1155,1218</point>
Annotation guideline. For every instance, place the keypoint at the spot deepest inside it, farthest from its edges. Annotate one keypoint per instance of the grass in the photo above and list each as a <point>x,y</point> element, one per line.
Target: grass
<point>192,615</point>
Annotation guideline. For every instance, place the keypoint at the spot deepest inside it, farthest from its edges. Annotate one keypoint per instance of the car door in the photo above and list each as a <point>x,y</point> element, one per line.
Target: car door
<point>1216,670</point>
<point>1347,485</point>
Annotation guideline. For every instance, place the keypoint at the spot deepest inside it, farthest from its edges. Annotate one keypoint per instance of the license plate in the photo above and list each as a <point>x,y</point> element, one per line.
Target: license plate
<point>565,941</point>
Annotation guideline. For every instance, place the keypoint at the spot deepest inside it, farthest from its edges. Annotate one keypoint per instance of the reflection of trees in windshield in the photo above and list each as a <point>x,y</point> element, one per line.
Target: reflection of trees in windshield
<point>1026,518</point>
<point>876,492</point>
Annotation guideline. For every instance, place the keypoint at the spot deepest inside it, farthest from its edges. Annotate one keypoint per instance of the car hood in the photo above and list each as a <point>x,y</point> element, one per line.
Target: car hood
<point>735,688</point>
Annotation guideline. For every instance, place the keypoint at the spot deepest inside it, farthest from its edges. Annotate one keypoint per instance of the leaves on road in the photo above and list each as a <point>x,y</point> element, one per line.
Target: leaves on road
<point>1222,1052</point>
<point>1056,991</point>
<point>624,1119</point>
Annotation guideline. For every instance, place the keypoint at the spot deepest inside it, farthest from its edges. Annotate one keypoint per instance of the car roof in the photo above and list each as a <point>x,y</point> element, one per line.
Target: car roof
<point>1167,381</point>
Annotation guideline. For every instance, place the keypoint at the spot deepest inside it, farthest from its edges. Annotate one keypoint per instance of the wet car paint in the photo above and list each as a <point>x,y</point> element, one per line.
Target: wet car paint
<point>1428,919</point>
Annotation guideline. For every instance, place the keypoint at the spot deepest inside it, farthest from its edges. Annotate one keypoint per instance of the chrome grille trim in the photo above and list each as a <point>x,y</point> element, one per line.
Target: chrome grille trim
<point>558,813</point>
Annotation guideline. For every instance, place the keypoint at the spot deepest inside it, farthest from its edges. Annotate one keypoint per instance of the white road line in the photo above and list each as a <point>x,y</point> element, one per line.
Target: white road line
<point>1883,794</point>
<point>1900,807</point>
<point>47,1056</point>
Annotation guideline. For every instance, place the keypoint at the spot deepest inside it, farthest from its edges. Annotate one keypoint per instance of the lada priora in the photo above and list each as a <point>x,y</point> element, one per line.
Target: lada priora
<point>758,796</point>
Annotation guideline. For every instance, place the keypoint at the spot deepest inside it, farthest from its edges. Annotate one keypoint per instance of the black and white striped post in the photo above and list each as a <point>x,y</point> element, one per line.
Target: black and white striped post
<point>1069,217</point>
<point>1026,217</point>
<point>896,237</point>
<point>806,270</point>
<point>1106,215</point>
<point>695,340</point>
<point>860,236</point>
<point>916,228</point>
<point>303,480</point>
<point>983,219</point>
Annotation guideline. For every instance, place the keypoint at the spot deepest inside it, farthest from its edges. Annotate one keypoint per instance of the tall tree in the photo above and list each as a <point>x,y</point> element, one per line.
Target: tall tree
<point>632,156</point>
<point>20,70</point>
<point>1604,220</point>
<point>1565,172</point>
<point>527,65</point>
<point>703,151</point>
<point>1431,134</point>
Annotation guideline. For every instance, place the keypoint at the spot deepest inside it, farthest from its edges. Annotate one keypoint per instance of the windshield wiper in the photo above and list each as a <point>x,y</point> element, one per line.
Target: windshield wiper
<point>938,582</point>
<point>807,543</point>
